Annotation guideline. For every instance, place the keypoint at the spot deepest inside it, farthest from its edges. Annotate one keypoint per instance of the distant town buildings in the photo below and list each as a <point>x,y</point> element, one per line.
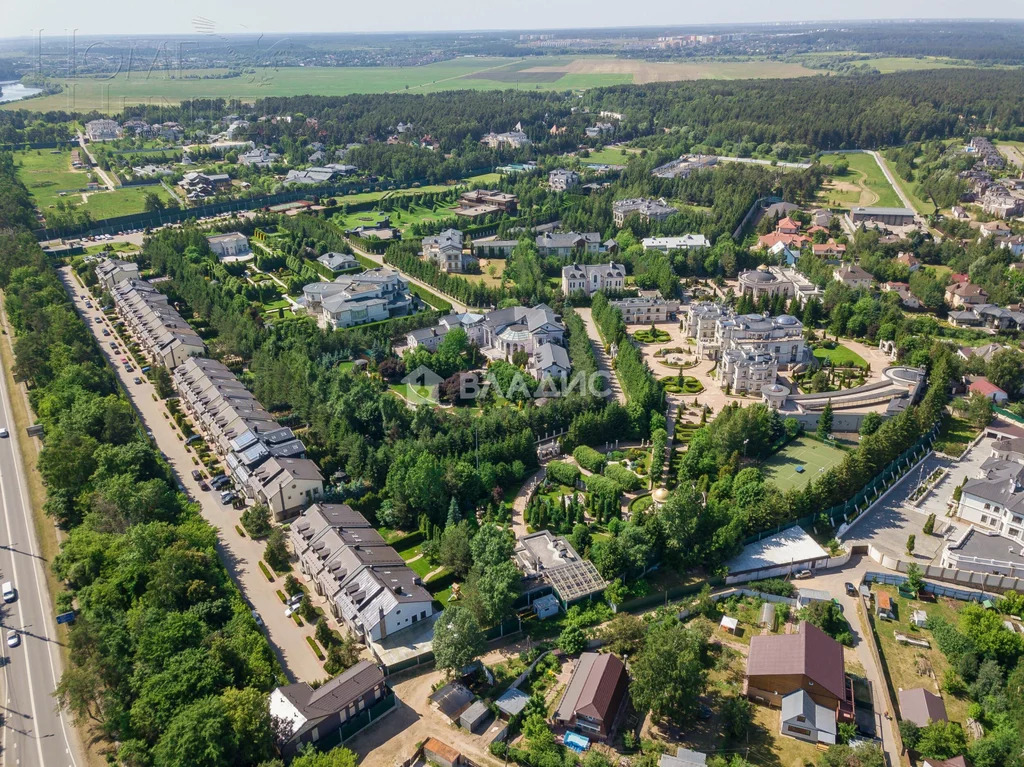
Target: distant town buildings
<point>258,158</point>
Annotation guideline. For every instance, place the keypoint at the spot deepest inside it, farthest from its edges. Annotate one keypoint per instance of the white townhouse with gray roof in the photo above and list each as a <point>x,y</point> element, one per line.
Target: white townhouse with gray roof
<point>590,278</point>
<point>356,299</point>
<point>446,252</point>
<point>994,499</point>
<point>364,580</point>
<point>165,337</point>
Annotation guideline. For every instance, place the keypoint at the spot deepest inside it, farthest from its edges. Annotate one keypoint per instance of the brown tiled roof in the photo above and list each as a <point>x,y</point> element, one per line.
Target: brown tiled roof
<point>443,750</point>
<point>812,653</point>
<point>921,706</point>
<point>596,688</point>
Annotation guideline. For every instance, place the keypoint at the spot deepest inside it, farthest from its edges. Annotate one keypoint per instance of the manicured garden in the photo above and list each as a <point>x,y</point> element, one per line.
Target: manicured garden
<point>839,355</point>
<point>652,335</point>
<point>682,384</point>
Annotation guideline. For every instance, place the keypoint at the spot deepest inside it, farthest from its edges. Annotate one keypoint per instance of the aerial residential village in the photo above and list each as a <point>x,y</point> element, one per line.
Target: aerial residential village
<point>789,360</point>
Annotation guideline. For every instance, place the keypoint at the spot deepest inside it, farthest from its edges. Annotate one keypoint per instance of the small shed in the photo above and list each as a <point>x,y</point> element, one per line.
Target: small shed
<point>766,618</point>
<point>805,597</point>
<point>729,624</point>
<point>884,607</point>
<point>865,591</point>
<point>512,701</point>
<point>451,700</point>
<point>546,607</point>
<point>436,752</point>
<point>919,618</point>
<point>474,716</point>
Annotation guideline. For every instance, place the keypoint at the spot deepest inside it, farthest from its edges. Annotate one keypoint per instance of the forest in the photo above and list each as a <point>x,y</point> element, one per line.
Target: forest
<point>166,662</point>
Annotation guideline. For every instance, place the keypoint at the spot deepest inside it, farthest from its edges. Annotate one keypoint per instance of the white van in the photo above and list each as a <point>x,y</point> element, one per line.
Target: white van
<point>8,592</point>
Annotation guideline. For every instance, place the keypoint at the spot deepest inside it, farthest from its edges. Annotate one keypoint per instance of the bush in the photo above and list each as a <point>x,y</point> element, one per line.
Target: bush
<point>563,473</point>
<point>589,459</point>
<point>626,480</point>
<point>929,524</point>
<point>776,586</point>
<point>256,521</point>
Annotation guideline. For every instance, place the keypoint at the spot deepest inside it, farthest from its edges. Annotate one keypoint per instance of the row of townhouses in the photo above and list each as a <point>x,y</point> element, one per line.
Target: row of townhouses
<point>354,299</point>
<point>366,583</point>
<point>750,348</point>
<point>264,459</point>
<point>537,331</point>
<point>590,278</point>
<point>166,339</point>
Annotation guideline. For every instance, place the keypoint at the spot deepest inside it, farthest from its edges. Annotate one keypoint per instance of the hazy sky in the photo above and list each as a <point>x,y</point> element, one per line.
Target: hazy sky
<point>274,18</point>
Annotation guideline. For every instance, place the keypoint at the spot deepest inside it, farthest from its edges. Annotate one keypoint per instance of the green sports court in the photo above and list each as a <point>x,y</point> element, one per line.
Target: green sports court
<point>784,468</point>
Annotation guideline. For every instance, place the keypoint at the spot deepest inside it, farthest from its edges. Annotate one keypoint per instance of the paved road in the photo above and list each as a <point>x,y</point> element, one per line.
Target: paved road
<point>107,182</point>
<point>832,581</point>
<point>34,731</point>
<point>240,555</point>
<point>604,362</point>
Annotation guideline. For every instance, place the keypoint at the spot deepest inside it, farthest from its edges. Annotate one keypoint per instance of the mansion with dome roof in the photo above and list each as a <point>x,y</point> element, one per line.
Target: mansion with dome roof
<point>770,281</point>
<point>750,348</point>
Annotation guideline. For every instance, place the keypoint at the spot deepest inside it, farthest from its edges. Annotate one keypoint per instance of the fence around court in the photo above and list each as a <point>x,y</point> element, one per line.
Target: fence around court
<point>848,511</point>
<point>889,579</point>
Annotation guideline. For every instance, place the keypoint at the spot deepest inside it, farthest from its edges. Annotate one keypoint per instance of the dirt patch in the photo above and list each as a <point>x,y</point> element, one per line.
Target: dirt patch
<point>663,71</point>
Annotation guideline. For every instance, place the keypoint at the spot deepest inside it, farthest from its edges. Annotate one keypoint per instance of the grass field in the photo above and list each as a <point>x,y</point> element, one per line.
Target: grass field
<point>912,190</point>
<point>841,356</point>
<point>123,201</point>
<point>813,456</point>
<point>47,173</point>
<point>610,155</point>
<point>865,173</point>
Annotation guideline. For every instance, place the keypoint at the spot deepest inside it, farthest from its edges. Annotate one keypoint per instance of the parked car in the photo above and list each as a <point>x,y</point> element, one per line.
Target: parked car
<point>851,590</point>
<point>196,475</point>
<point>106,332</point>
<point>203,486</point>
<point>295,599</point>
<point>136,380</point>
<point>801,574</point>
<point>256,617</point>
<point>13,638</point>
<point>113,345</point>
<point>227,496</point>
<point>219,481</point>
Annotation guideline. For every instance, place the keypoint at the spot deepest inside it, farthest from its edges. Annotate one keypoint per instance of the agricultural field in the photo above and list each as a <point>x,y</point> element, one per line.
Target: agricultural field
<point>805,453</point>
<point>863,184</point>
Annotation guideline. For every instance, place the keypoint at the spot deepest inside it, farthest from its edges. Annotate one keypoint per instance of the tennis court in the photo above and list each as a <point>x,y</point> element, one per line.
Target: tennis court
<point>813,457</point>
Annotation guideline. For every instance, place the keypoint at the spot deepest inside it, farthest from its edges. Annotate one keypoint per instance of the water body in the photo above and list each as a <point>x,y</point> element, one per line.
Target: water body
<point>15,91</point>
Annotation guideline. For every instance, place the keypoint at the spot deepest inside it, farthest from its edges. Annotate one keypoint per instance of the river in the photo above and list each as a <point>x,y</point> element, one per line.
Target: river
<point>15,91</point>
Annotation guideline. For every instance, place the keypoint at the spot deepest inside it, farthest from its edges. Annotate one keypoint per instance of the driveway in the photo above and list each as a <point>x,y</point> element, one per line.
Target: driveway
<point>894,518</point>
<point>457,305</point>
<point>241,555</point>
<point>604,362</point>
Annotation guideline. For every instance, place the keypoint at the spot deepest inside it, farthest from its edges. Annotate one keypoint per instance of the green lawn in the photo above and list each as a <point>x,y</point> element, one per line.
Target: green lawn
<point>869,176</point>
<point>805,452</point>
<point>46,173</point>
<point>610,156</point>
<point>123,201</point>
<point>955,435</point>
<point>841,356</point>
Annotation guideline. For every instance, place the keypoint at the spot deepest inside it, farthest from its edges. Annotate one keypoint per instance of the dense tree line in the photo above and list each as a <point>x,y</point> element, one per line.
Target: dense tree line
<point>166,663</point>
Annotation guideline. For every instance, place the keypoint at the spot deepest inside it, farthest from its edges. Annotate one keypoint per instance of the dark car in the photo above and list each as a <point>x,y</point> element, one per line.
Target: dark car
<point>851,590</point>
<point>196,475</point>
<point>203,486</point>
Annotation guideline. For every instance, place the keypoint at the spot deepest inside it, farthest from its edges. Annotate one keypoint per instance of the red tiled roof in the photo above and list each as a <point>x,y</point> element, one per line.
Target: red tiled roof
<point>984,386</point>
<point>812,653</point>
